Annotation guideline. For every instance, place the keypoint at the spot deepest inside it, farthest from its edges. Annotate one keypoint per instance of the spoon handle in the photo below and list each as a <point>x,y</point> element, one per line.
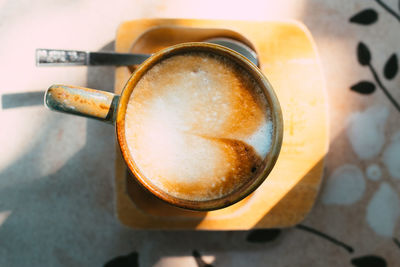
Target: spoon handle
<point>91,103</point>
<point>54,57</point>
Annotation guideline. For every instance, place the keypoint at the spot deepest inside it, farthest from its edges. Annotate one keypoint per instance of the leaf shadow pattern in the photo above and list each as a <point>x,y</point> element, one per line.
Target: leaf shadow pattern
<point>391,67</point>
<point>364,87</point>
<point>325,236</point>
<point>390,70</point>
<point>369,261</point>
<point>369,16</point>
<point>365,17</point>
<point>388,9</point>
<point>269,235</point>
<point>130,260</point>
<point>397,242</point>
<point>199,261</point>
<point>263,235</point>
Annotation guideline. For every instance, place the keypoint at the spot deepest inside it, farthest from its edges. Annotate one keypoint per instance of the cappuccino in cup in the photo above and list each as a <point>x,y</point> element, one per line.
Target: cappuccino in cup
<point>198,126</point>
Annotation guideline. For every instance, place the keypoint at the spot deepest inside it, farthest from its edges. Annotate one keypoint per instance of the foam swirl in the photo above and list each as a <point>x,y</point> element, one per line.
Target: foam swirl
<point>198,126</point>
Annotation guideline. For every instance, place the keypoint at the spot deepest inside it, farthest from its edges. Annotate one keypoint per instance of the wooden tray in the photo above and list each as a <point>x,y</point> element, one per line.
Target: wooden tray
<point>290,61</point>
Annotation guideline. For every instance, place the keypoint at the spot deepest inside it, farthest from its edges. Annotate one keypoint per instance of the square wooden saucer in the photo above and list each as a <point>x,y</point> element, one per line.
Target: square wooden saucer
<point>290,61</point>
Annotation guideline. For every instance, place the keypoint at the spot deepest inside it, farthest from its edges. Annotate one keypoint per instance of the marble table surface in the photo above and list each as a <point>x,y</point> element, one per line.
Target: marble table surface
<point>56,171</point>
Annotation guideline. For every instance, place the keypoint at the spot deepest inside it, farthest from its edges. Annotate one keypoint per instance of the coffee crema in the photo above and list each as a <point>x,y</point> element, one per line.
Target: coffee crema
<point>198,126</point>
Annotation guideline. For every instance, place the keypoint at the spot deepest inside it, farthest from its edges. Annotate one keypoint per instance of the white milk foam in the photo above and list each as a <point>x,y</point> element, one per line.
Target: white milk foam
<point>197,127</point>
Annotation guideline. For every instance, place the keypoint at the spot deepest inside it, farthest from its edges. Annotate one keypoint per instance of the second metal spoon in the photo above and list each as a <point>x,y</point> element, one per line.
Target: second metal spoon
<point>54,57</point>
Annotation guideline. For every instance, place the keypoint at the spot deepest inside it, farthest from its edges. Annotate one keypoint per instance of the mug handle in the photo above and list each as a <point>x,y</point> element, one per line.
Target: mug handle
<point>96,104</point>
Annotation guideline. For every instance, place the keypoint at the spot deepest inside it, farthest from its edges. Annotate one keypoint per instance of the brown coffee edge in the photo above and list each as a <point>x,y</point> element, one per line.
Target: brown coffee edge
<point>276,116</point>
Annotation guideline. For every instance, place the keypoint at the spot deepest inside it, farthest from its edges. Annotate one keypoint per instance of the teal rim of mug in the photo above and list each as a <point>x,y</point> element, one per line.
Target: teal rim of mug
<point>276,116</point>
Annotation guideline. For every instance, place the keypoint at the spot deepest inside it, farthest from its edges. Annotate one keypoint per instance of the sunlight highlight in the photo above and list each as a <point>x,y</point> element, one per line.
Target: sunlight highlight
<point>4,215</point>
<point>210,9</point>
<point>183,261</point>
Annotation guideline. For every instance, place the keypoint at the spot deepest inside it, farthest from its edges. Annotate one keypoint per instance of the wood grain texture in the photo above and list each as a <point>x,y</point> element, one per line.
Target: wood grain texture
<point>290,61</point>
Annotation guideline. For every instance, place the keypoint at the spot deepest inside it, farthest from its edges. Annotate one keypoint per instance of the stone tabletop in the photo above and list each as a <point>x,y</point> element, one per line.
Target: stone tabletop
<point>56,171</point>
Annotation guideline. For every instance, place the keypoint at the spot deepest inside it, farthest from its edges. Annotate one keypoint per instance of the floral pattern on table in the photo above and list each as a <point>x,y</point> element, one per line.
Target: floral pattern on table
<point>347,184</point>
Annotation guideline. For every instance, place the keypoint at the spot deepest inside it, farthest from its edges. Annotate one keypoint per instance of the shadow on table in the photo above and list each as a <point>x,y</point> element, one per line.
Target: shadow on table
<point>67,217</point>
<point>17,100</point>
<point>51,211</point>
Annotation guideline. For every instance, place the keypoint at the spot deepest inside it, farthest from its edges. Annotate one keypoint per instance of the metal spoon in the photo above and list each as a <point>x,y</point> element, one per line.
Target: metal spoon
<point>54,57</point>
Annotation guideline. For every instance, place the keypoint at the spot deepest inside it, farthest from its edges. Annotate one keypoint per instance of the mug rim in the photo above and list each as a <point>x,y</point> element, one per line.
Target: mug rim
<point>275,113</point>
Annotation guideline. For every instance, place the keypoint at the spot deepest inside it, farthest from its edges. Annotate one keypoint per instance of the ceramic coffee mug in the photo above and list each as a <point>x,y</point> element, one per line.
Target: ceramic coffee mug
<point>112,108</point>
